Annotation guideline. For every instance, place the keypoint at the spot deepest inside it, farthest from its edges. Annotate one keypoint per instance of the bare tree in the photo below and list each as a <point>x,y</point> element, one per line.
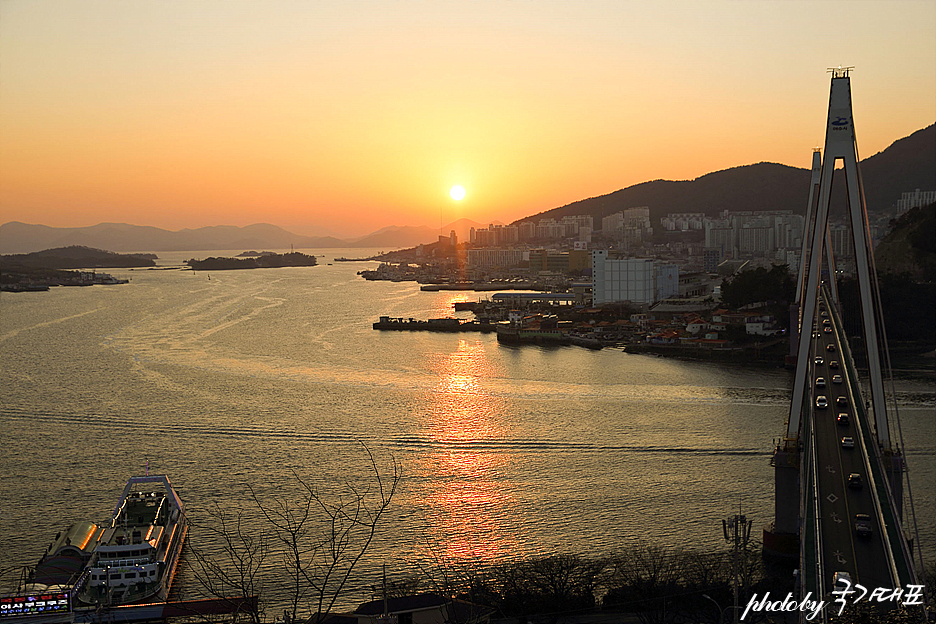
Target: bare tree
<point>646,578</point>
<point>233,572</point>
<point>322,536</point>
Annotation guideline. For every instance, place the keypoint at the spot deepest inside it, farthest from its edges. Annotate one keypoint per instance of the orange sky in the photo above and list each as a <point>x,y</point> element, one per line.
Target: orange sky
<point>350,116</point>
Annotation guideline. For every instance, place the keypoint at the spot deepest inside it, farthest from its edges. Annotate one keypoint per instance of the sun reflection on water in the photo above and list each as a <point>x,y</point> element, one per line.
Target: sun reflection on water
<point>466,499</point>
<point>445,304</point>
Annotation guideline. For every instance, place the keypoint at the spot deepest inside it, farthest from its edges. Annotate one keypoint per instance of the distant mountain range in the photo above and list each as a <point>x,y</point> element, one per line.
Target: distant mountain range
<point>18,237</point>
<point>908,164</point>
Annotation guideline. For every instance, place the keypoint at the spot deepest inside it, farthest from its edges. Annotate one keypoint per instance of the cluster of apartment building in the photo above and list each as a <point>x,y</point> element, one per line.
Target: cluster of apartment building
<point>578,227</point>
<point>915,199</point>
<point>735,233</point>
<point>572,245</point>
<point>775,234</point>
<point>631,225</point>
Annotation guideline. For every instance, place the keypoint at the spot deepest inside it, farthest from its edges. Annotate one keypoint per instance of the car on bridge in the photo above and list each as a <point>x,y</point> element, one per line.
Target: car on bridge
<point>821,402</point>
<point>820,382</point>
<point>842,401</point>
<point>854,481</point>
<point>833,363</point>
<point>827,330</point>
<point>841,581</point>
<point>848,442</point>
<point>842,418</point>
<point>863,525</point>
<point>830,347</point>
<point>817,360</point>
<point>836,379</point>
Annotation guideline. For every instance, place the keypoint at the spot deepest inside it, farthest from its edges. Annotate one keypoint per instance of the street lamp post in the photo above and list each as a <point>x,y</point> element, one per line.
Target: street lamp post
<point>721,612</point>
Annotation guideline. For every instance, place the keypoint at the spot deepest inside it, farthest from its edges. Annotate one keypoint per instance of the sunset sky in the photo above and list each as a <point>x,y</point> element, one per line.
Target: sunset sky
<point>347,116</point>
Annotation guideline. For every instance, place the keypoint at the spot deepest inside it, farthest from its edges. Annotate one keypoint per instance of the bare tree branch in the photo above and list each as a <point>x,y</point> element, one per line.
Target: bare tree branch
<point>234,572</point>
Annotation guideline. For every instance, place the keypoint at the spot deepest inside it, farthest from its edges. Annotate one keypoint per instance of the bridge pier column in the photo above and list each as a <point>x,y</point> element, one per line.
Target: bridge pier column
<point>894,467</point>
<point>781,538</point>
<point>790,360</point>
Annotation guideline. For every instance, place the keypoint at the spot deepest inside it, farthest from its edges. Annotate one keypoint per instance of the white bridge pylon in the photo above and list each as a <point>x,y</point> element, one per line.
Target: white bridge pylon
<point>840,146</point>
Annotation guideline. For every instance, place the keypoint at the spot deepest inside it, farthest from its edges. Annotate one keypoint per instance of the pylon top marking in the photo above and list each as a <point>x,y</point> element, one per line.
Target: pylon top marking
<point>840,72</point>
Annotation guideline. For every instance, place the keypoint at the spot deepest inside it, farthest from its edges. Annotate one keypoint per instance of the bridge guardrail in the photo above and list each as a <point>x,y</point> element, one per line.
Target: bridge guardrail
<point>813,564</point>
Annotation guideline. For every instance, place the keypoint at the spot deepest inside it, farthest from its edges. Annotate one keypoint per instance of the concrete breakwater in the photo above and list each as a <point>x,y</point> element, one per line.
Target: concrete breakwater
<point>479,286</point>
<point>438,324</point>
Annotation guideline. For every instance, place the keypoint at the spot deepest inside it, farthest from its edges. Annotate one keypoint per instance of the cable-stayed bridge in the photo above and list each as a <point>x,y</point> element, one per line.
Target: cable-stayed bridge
<point>839,468</point>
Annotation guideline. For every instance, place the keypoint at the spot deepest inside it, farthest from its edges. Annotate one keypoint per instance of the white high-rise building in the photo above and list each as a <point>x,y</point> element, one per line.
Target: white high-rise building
<point>639,280</point>
<point>719,234</point>
<point>843,245</point>
<point>756,237</point>
<point>915,199</point>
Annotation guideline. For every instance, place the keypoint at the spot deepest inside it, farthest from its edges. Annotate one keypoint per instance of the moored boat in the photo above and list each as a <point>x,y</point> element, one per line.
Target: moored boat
<point>135,557</point>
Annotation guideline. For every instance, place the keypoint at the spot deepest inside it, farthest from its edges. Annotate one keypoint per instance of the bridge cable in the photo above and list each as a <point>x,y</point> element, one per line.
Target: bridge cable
<point>897,426</point>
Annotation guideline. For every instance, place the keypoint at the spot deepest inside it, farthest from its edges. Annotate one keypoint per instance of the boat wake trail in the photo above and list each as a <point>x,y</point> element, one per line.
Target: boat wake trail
<point>408,443</point>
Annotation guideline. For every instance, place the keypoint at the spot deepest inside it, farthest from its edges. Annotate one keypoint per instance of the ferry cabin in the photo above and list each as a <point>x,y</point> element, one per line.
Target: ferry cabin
<point>132,551</point>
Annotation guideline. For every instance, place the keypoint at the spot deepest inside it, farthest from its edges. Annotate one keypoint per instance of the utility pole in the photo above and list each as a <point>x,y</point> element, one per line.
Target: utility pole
<point>385,617</point>
<point>737,529</point>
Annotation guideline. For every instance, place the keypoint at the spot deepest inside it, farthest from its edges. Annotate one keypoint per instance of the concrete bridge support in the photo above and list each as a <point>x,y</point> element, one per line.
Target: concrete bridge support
<point>781,538</point>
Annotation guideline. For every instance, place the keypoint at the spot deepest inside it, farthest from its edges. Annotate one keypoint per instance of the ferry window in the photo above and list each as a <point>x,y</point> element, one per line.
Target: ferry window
<point>152,572</point>
<point>135,553</point>
<point>130,575</point>
<point>114,577</point>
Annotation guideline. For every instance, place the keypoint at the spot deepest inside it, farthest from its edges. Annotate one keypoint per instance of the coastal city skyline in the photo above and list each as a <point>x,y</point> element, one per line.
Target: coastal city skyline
<point>670,402</point>
<point>323,117</point>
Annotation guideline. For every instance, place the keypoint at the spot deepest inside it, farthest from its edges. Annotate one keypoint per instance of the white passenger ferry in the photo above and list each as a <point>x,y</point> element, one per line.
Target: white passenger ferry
<point>135,558</point>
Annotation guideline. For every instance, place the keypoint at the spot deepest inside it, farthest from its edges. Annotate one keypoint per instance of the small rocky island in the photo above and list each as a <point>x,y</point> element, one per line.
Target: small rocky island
<point>76,257</point>
<point>40,270</point>
<point>262,261</point>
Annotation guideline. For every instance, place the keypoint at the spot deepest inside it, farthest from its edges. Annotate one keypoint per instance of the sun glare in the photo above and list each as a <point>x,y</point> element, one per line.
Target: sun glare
<point>457,193</point>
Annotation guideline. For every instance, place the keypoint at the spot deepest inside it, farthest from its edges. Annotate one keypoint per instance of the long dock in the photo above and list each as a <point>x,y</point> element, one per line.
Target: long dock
<point>166,610</point>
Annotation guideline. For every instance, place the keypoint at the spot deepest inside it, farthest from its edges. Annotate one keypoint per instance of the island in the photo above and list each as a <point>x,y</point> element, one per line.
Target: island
<point>264,261</point>
<point>40,270</point>
<point>75,257</point>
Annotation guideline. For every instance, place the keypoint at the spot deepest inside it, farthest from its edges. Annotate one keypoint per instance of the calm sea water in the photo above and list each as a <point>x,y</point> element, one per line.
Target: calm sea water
<point>228,379</point>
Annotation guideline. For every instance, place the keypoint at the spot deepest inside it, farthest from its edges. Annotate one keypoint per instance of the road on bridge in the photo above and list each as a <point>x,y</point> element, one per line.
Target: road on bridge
<point>863,556</point>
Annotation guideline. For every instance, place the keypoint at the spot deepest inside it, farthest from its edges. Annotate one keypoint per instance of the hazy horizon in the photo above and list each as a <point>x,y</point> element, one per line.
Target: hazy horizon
<point>461,223</point>
<point>328,118</point>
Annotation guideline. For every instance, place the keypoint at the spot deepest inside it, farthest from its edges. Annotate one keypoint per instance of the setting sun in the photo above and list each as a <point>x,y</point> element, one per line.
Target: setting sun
<point>457,193</point>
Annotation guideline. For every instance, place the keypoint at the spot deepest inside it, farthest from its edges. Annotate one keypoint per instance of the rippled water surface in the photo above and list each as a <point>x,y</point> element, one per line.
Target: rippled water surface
<point>248,376</point>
